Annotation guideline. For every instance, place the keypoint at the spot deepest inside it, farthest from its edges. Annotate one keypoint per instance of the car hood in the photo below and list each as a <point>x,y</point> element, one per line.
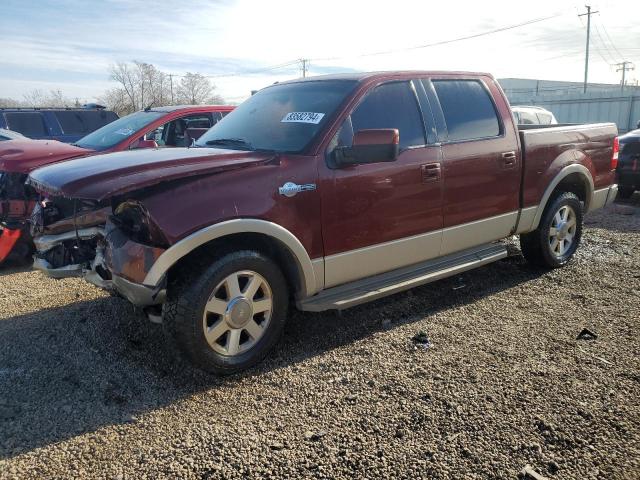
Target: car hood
<point>104,176</point>
<point>24,155</point>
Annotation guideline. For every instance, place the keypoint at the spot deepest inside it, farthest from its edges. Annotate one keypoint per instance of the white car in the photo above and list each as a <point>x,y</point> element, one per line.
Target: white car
<point>9,134</point>
<point>531,115</point>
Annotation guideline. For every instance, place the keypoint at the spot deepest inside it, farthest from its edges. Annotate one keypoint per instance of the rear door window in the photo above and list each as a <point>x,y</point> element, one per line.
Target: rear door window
<point>30,124</point>
<point>468,109</point>
<point>391,105</point>
<point>78,122</point>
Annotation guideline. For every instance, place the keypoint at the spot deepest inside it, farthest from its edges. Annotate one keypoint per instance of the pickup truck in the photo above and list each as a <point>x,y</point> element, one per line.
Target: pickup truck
<point>162,126</point>
<point>328,192</point>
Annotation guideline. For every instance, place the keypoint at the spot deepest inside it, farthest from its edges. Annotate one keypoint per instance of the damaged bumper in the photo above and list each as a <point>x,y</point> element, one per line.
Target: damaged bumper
<point>129,262</point>
<point>139,294</point>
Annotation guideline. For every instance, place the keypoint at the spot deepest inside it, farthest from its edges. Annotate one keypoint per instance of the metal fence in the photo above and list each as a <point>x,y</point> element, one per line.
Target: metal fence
<point>618,107</point>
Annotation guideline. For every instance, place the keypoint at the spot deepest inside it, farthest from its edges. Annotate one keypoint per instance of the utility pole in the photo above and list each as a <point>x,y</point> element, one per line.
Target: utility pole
<point>171,87</point>
<point>304,62</point>
<point>624,67</point>
<point>586,58</point>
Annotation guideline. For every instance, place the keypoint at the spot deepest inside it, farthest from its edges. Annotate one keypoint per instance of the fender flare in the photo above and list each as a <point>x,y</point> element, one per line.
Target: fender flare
<point>240,225</point>
<point>585,174</point>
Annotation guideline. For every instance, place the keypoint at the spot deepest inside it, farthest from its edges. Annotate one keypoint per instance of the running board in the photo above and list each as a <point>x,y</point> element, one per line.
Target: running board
<point>378,286</point>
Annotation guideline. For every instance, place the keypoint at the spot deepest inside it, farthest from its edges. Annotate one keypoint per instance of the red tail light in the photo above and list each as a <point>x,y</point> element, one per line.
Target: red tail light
<point>614,156</point>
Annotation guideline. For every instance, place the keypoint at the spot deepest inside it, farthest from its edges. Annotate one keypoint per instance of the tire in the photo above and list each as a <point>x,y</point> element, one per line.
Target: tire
<point>542,247</point>
<point>624,193</point>
<point>210,318</point>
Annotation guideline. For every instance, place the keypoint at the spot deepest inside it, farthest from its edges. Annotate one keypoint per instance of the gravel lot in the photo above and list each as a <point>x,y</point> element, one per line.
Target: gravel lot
<point>87,389</point>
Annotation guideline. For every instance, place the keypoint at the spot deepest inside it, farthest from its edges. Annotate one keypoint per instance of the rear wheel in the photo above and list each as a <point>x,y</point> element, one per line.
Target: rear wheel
<point>625,192</point>
<point>228,316</point>
<point>558,235</point>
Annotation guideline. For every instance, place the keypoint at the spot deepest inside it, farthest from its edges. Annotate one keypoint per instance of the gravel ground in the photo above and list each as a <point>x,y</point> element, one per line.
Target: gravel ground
<point>88,391</point>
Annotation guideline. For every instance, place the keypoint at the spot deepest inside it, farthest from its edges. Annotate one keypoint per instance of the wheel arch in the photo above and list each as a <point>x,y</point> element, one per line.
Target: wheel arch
<point>573,178</point>
<point>262,235</point>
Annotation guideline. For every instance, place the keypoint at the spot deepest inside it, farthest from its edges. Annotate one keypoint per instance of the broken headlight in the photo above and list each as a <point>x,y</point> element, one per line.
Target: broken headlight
<point>133,219</point>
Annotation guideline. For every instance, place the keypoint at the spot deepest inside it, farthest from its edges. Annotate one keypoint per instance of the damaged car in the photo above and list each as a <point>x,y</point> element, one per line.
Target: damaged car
<point>174,126</point>
<point>323,193</point>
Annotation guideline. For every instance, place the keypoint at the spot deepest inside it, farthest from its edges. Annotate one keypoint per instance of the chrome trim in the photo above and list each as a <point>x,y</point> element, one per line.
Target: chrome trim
<point>46,242</point>
<point>310,284</point>
<point>291,189</point>
<point>566,171</point>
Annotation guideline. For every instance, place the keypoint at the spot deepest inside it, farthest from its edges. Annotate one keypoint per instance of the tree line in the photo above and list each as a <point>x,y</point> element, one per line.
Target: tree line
<point>138,85</point>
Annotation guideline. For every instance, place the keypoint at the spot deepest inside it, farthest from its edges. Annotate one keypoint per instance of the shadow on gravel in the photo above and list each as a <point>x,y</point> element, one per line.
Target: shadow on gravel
<point>9,268</point>
<point>72,370</point>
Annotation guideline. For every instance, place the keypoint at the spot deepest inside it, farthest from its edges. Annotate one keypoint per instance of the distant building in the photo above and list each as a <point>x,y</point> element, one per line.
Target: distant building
<point>518,87</point>
<point>603,102</point>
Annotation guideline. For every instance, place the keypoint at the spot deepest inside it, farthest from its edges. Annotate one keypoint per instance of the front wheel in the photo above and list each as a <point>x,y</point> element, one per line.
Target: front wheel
<point>558,235</point>
<point>229,315</point>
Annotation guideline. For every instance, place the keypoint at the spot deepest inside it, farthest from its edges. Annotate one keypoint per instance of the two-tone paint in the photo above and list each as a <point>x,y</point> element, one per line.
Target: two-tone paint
<point>434,200</point>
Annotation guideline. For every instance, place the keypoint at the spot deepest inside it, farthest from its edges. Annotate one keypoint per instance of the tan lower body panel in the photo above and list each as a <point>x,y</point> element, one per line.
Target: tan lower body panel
<point>365,262</point>
<point>467,235</point>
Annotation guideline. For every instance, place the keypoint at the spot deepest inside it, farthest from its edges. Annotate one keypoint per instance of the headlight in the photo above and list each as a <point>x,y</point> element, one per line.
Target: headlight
<point>134,220</point>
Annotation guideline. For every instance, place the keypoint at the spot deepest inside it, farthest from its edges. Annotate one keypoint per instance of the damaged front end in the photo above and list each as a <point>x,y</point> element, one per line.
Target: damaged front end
<point>108,246</point>
<point>69,239</point>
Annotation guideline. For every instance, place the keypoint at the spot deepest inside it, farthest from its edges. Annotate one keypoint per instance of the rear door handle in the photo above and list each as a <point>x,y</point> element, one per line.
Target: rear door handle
<point>431,172</point>
<point>509,159</point>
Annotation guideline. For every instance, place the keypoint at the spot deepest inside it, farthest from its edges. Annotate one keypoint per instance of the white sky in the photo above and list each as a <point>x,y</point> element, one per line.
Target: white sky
<point>69,44</point>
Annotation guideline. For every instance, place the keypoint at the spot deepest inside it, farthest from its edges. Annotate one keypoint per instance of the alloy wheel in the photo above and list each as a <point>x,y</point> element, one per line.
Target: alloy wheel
<point>562,231</point>
<point>238,312</point>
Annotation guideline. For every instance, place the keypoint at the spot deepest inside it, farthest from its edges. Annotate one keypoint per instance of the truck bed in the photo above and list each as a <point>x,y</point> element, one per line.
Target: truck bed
<point>546,149</point>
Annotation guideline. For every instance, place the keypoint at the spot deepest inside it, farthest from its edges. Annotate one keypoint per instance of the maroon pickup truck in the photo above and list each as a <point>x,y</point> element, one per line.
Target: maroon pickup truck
<point>329,191</point>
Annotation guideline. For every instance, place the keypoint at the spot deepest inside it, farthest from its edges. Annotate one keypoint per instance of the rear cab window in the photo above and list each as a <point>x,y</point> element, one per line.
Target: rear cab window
<point>468,110</point>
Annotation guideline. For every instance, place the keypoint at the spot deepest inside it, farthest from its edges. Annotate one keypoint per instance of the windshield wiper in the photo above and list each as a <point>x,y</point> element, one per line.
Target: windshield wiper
<point>232,142</point>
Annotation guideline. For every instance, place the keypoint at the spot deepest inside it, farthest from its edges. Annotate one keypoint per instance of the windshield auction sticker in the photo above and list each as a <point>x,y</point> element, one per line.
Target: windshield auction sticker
<point>303,117</point>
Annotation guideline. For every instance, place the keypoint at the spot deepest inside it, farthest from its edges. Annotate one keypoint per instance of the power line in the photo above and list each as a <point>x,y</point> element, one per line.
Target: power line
<point>613,58</point>
<point>443,42</point>
<point>609,37</point>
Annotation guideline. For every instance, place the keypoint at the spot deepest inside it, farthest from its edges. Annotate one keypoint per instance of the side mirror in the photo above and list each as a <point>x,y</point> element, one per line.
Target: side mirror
<point>370,146</point>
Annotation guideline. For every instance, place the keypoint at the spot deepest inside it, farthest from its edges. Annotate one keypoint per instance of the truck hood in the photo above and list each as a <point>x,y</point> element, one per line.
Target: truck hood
<point>25,155</point>
<point>104,176</point>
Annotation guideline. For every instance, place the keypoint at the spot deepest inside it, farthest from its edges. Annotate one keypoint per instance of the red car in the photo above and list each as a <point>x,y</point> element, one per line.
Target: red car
<point>176,126</point>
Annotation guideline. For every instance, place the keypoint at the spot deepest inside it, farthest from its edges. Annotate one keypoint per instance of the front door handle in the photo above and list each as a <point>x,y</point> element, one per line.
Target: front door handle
<point>509,159</point>
<point>431,172</point>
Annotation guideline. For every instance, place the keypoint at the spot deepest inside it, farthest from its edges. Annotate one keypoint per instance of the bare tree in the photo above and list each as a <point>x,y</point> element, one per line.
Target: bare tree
<point>195,89</point>
<point>53,99</point>
<point>140,85</point>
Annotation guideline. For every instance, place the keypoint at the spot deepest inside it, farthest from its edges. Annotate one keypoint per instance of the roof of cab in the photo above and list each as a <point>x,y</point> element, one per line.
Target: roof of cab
<point>359,76</point>
<point>173,108</point>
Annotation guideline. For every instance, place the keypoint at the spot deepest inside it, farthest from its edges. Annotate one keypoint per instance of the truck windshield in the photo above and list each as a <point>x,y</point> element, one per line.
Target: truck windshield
<point>282,118</point>
<point>115,132</point>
